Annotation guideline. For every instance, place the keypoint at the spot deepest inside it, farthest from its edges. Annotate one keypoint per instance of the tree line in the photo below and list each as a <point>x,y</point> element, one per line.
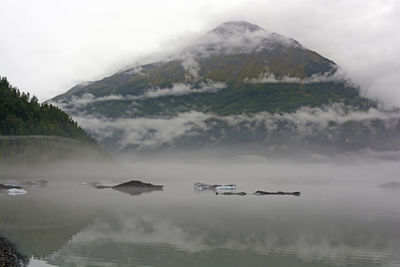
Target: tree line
<point>22,114</point>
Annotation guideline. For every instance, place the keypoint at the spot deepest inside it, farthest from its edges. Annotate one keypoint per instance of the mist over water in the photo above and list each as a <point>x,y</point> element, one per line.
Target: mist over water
<point>341,217</point>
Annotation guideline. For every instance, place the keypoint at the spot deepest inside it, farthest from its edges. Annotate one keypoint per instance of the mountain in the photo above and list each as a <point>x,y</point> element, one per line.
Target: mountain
<point>31,131</point>
<point>238,84</point>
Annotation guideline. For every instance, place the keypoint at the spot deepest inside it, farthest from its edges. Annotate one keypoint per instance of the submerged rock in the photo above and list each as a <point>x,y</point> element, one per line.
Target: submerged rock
<point>261,193</point>
<point>9,255</point>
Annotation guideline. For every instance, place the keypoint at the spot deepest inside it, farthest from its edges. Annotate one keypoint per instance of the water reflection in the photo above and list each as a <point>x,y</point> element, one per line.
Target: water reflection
<point>332,224</point>
<point>133,237</point>
<point>136,191</point>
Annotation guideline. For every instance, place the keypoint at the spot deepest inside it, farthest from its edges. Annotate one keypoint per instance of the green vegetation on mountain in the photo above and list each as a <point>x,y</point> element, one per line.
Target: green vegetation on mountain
<point>240,99</point>
<point>21,114</point>
<point>232,69</point>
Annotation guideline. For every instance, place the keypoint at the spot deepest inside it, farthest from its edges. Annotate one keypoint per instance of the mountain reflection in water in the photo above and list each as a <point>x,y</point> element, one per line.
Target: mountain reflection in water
<point>341,223</point>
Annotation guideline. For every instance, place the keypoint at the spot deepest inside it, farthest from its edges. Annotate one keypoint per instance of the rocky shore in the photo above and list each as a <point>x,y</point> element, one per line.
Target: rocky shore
<point>9,255</point>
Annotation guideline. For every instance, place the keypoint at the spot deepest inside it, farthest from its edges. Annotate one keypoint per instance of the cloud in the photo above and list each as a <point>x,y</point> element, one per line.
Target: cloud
<point>305,121</point>
<point>191,67</point>
<point>74,103</point>
<point>135,70</point>
<point>337,76</point>
<point>233,38</point>
<point>179,89</point>
<point>155,132</point>
<point>361,37</point>
<point>145,133</point>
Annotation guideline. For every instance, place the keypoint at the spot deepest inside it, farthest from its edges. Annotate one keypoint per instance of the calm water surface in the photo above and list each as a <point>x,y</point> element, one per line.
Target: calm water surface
<point>333,223</point>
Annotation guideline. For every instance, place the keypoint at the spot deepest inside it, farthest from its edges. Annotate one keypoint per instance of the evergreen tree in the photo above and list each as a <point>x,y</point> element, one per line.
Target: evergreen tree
<point>21,114</point>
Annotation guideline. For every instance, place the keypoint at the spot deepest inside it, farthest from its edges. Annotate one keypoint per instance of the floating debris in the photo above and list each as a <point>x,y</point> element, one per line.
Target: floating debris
<point>202,186</point>
<point>261,193</point>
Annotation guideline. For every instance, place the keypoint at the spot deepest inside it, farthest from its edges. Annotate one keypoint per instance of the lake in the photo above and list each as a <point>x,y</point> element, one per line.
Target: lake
<point>341,217</point>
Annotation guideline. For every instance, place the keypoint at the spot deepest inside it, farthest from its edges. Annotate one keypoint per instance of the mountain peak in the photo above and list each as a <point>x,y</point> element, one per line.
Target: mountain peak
<point>231,27</point>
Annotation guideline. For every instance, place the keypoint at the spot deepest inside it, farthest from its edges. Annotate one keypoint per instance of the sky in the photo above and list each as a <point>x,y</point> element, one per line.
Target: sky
<point>48,46</point>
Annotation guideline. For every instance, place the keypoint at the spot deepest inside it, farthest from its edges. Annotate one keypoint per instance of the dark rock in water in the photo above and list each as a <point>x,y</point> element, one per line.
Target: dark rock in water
<point>261,193</point>
<point>390,185</point>
<point>136,187</point>
<point>9,256</point>
<point>231,193</point>
<point>6,187</point>
<point>138,184</point>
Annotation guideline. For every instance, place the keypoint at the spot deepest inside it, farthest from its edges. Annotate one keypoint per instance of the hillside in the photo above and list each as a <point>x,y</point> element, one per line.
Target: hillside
<point>238,84</point>
<point>21,114</point>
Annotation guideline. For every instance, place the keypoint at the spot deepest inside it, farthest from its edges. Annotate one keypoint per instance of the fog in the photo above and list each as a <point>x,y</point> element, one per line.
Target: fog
<point>210,165</point>
<point>152,133</point>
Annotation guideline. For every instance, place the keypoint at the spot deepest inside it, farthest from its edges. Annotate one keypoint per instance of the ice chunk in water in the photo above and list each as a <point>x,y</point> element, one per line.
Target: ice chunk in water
<point>16,191</point>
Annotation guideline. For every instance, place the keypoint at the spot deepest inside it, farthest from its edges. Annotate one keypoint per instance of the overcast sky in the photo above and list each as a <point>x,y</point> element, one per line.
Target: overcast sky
<point>48,46</point>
